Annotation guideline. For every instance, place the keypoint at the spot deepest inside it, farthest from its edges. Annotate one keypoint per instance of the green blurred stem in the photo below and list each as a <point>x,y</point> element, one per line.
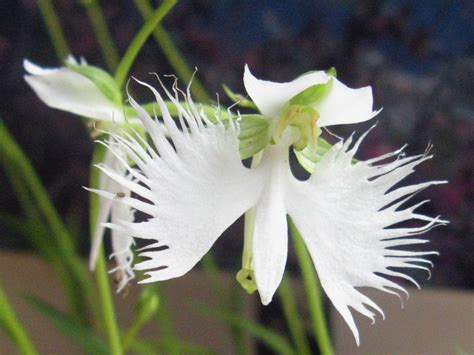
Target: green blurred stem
<point>53,26</point>
<point>39,196</point>
<point>129,338</point>
<point>102,33</point>
<point>140,39</point>
<point>107,306</point>
<point>293,320</point>
<point>172,53</point>
<point>109,319</point>
<point>166,326</point>
<point>13,327</point>
<point>313,292</point>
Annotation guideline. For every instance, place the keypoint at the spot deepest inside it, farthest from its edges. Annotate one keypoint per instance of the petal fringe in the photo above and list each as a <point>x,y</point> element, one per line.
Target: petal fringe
<point>347,215</point>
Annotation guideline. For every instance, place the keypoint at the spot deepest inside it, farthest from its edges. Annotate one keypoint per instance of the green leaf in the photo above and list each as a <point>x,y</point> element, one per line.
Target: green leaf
<point>152,347</point>
<point>103,80</point>
<point>78,333</point>
<point>312,95</point>
<point>12,326</point>
<point>253,136</point>
<point>274,341</point>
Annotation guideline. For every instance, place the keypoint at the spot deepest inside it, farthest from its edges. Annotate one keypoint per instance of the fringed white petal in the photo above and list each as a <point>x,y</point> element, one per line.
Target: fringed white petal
<point>122,241</point>
<point>346,214</point>
<point>105,206</point>
<point>193,187</point>
<point>341,105</point>
<point>67,90</point>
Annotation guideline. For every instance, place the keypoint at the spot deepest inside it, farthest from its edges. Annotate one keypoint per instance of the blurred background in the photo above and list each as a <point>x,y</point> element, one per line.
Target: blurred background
<point>418,56</point>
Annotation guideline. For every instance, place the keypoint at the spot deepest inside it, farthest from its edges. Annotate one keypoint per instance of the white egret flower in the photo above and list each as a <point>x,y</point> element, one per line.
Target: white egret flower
<point>194,187</point>
<point>91,92</point>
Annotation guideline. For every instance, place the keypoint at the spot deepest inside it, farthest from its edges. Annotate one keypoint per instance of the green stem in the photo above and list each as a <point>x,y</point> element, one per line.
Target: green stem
<point>140,39</point>
<point>39,196</point>
<point>130,335</point>
<point>293,320</point>
<point>53,26</point>
<point>313,293</point>
<point>13,327</point>
<point>172,53</point>
<point>166,327</point>
<point>102,33</point>
<point>107,304</point>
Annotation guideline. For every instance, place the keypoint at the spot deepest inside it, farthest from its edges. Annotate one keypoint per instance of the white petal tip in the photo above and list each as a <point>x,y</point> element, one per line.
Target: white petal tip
<point>265,299</point>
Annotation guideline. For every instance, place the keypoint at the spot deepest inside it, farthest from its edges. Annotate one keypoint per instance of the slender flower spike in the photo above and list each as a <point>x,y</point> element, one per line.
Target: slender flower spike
<point>195,186</point>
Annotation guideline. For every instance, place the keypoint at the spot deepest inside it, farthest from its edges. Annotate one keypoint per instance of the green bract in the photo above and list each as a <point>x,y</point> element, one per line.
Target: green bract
<point>104,82</point>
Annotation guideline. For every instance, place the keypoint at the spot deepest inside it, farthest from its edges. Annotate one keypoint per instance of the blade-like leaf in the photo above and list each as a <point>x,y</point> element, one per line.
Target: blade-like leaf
<point>77,332</point>
<point>270,338</point>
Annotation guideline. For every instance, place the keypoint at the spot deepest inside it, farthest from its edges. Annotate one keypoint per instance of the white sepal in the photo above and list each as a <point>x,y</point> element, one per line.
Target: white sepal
<point>341,105</point>
<point>65,89</point>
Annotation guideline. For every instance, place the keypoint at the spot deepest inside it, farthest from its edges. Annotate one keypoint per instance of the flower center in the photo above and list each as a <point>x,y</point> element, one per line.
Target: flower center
<point>299,122</point>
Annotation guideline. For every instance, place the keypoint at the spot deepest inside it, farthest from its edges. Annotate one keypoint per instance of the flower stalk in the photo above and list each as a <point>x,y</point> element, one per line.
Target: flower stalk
<point>313,293</point>
<point>140,39</point>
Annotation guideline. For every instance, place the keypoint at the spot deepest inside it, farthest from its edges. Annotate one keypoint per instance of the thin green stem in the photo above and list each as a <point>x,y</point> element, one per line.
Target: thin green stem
<point>293,320</point>
<point>130,335</point>
<point>140,39</point>
<point>172,53</point>
<point>13,327</point>
<point>109,319</point>
<point>166,327</point>
<point>107,306</point>
<point>54,28</point>
<point>39,196</point>
<point>313,293</point>
<point>102,33</point>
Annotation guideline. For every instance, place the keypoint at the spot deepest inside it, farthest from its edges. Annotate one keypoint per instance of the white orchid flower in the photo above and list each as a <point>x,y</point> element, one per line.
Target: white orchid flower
<point>91,92</point>
<point>196,186</point>
<point>77,88</point>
